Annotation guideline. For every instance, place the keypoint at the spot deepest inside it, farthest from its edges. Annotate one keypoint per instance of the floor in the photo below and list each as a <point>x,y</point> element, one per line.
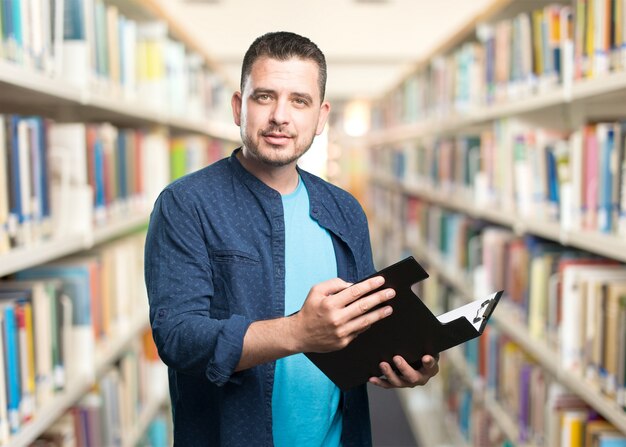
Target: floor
<point>389,424</point>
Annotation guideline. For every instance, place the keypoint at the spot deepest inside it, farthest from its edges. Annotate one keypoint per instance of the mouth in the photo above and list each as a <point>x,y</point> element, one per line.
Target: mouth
<point>276,138</point>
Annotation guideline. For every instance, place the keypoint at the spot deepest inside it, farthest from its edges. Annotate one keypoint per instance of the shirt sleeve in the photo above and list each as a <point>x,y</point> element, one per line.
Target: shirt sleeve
<point>179,281</point>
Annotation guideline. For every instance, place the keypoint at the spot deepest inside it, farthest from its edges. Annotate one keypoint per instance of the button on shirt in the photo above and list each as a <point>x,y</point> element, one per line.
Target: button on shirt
<point>214,263</point>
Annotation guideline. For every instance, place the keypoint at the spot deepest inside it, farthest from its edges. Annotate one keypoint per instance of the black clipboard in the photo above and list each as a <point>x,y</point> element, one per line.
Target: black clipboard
<point>411,331</point>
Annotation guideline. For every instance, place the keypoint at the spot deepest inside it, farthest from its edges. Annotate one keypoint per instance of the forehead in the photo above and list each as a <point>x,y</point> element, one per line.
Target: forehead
<point>293,74</point>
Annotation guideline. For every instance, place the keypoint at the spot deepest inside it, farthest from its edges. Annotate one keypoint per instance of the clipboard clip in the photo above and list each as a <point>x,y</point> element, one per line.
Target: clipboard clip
<point>484,311</point>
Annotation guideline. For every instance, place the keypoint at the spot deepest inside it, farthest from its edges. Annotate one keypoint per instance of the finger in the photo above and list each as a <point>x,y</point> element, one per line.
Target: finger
<point>430,367</point>
<point>380,382</point>
<point>429,361</point>
<point>366,304</point>
<point>392,377</point>
<point>410,376</point>
<point>362,323</point>
<point>358,290</point>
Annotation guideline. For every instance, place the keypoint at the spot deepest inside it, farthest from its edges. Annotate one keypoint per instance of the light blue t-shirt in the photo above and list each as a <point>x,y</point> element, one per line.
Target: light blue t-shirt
<point>305,403</point>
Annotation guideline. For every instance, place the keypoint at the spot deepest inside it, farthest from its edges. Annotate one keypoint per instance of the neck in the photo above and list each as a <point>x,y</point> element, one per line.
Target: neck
<point>283,179</point>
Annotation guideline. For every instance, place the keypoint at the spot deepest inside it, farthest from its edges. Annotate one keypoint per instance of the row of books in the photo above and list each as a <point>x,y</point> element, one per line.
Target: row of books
<point>110,412</point>
<point>55,315</point>
<point>64,178</point>
<point>476,423</point>
<point>32,45</point>
<point>544,414</point>
<point>501,396</point>
<point>96,46</point>
<point>512,58</point>
<point>572,300</point>
<point>577,179</point>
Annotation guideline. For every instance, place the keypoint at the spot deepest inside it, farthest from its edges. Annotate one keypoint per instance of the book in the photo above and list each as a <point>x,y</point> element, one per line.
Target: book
<point>4,416</point>
<point>26,353</point>
<point>12,366</point>
<point>75,48</point>
<point>76,277</point>
<point>411,331</point>
<point>4,188</point>
<point>70,195</point>
<point>43,296</point>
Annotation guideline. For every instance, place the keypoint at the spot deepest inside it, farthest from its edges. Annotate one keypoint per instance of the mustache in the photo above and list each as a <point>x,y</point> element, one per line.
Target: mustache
<point>277,130</point>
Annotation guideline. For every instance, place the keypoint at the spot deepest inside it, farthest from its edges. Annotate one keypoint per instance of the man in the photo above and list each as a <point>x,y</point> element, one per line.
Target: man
<point>243,267</point>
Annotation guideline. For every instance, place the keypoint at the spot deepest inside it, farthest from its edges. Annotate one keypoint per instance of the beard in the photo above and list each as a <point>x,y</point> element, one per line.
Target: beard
<point>275,155</point>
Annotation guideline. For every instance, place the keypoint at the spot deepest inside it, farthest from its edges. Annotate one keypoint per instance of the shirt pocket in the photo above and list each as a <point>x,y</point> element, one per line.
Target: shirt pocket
<point>236,275</point>
<point>235,256</point>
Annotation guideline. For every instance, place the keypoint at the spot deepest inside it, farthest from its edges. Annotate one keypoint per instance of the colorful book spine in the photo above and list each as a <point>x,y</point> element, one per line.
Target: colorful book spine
<point>12,368</point>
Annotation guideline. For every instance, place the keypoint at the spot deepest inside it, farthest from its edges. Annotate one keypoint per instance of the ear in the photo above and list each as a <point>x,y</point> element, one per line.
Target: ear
<point>235,103</point>
<point>323,117</point>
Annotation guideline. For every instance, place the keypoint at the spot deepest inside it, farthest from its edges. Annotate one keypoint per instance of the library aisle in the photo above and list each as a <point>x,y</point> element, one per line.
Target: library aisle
<point>390,427</point>
<point>491,148</point>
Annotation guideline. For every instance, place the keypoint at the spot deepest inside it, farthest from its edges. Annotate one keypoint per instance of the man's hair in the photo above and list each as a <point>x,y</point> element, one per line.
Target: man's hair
<point>283,45</point>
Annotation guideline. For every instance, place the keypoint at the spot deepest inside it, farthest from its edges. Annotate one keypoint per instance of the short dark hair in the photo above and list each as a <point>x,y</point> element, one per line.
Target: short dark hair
<point>283,45</point>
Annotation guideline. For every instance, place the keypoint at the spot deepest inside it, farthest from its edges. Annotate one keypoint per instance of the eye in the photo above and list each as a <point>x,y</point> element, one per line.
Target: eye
<point>263,97</point>
<point>300,101</point>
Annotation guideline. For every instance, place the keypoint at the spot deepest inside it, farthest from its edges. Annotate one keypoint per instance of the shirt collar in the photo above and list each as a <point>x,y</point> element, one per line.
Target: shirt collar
<point>250,180</point>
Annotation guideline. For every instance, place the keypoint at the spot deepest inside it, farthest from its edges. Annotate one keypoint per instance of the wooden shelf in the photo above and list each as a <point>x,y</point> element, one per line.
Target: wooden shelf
<point>58,247</point>
<point>25,91</point>
<point>607,88</point>
<point>40,252</point>
<point>24,85</point>
<point>611,246</point>
<point>120,227</point>
<point>106,354</point>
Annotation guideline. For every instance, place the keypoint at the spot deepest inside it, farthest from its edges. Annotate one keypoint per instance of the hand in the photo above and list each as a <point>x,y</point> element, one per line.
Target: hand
<point>336,312</point>
<point>408,377</point>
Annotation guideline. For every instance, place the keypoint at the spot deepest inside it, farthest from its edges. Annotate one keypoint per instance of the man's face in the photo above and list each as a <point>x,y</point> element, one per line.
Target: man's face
<point>280,110</point>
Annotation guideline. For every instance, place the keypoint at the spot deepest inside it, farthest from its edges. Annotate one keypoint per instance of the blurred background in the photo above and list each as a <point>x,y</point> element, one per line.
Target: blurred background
<point>487,139</point>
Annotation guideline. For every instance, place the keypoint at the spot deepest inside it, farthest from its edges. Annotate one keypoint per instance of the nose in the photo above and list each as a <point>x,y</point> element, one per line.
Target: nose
<point>280,112</point>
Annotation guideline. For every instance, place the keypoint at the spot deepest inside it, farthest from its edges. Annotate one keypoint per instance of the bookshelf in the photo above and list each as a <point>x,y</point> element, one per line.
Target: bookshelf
<point>448,154</point>
<point>107,354</point>
<point>151,113</point>
<point>505,423</point>
<point>145,418</point>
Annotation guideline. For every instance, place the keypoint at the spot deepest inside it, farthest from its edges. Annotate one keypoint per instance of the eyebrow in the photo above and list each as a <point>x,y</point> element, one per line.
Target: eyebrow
<point>258,91</point>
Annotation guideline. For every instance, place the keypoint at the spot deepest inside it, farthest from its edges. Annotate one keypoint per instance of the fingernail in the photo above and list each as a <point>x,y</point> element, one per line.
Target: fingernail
<point>390,293</point>
<point>388,311</point>
<point>380,280</point>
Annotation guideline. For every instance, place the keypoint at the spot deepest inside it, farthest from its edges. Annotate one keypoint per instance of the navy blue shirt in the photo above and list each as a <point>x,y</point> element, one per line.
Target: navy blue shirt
<point>214,263</point>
